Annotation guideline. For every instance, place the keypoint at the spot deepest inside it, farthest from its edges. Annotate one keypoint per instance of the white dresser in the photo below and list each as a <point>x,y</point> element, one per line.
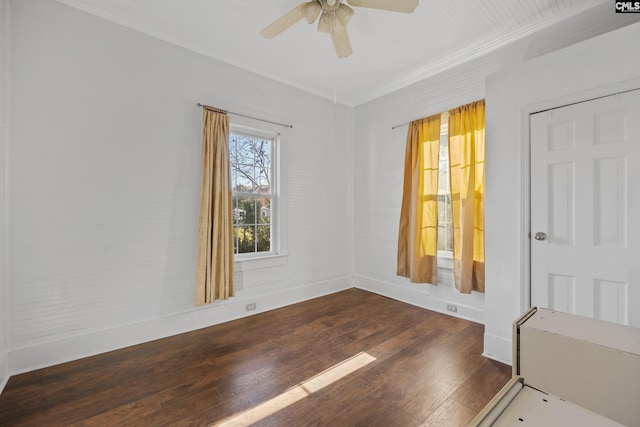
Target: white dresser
<point>569,366</point>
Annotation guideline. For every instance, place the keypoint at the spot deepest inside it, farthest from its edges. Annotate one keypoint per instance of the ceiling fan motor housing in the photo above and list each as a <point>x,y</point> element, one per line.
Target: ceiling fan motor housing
<point>330,5</point>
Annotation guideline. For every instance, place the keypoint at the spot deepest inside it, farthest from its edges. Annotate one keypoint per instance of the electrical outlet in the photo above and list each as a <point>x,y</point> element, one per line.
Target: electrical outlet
<point>453,308</point>
<point>251,307</point>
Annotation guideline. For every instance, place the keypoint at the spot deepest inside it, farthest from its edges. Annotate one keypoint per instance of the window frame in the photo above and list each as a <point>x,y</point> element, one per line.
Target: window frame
<point>278,245</point>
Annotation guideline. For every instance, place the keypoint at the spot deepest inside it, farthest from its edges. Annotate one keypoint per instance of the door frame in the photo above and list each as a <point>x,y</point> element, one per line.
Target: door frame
<point>525,116</point>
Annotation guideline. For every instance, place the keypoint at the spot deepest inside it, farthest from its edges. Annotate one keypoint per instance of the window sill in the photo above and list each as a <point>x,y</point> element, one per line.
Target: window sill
<point>257,263</point>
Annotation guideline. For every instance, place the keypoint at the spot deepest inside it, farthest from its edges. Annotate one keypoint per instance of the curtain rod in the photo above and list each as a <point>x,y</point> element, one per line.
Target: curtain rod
<point>404,124</point>
<point>218,110</point>
<point>444,112</point>
<point>400,125</point>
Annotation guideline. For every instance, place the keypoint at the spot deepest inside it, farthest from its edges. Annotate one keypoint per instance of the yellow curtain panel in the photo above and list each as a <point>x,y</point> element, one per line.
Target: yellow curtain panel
<point>418,231</point>
<point>467,172</point>
<point>214,268</point>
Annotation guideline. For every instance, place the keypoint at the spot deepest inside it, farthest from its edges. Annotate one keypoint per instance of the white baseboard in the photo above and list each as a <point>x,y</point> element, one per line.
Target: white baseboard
<point>64,350</point>
<point>4,371</point>
<point>498,348</point>
<point>419,296</point>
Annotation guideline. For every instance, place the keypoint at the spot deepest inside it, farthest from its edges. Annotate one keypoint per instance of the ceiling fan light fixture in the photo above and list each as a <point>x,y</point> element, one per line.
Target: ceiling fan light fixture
<point>334,17</point>
<point>344,14</point>
<point>311,11</point>
<point>325,24</point>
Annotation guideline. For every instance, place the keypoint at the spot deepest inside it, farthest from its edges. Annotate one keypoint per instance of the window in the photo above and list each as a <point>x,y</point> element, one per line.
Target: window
<point>445,232</point>
<point>432,232</point>
<point>252,159</point>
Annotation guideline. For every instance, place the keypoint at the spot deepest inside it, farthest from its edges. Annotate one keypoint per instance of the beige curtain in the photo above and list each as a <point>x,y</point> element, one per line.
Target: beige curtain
<point>467,167</point>
<point>418,231</point>
<point>214,270</point>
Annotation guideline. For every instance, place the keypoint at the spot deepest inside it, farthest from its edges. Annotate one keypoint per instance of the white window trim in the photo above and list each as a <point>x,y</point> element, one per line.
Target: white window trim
<point>445,260</point>
<point>278,255</point>
<point>259,262</point>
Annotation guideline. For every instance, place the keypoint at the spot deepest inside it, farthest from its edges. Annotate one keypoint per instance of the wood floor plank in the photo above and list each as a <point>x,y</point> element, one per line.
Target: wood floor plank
<point>371,412</point>
<point>350,358</point>
<point>489,377</point>
<point>450,414</point>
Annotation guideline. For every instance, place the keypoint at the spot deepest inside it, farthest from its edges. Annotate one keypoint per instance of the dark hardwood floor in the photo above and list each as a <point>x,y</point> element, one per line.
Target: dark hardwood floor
<point>348,359</point>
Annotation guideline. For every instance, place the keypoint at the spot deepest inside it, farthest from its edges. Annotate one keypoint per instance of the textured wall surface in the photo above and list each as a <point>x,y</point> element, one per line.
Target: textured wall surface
<point>4,130</point>
<point>104,181</point>
<point>378,178</point>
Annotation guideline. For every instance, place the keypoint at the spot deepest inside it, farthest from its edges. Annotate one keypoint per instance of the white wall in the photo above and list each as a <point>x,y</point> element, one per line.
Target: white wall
<point>378,175</point>
<point>104,184</point>
<point>596,67</point>
<point>4,131</point>
<point>379,158</point>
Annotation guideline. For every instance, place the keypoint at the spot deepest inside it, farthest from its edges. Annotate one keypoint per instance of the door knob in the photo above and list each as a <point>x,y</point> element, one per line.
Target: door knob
<point>540,236</point>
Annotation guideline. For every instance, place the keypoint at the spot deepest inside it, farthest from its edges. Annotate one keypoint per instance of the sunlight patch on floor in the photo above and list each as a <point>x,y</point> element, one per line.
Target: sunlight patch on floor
<point>299,392</point>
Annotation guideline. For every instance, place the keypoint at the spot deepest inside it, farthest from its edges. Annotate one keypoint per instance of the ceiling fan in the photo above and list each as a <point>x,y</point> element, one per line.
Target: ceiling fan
<point>334,17</point>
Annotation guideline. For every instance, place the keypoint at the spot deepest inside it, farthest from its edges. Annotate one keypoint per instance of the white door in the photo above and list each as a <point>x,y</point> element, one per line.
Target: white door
<point>585,208</point>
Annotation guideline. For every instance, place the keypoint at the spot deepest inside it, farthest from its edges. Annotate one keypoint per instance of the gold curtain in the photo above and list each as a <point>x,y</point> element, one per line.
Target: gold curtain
<point>214,270</point>
<point>467,167</point>
<point>418,231</point>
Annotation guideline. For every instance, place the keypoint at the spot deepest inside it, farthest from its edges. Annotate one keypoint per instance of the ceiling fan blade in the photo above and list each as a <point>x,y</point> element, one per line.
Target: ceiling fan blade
<point>405,6</point>
<point>325,24</point>
<point>311,11</point>
<point>341,41</point>
<point>286,21</point>
<point>344,14</point>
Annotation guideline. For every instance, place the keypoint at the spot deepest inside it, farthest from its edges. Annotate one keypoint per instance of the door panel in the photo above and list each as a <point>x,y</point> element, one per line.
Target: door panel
<point>585,197</point>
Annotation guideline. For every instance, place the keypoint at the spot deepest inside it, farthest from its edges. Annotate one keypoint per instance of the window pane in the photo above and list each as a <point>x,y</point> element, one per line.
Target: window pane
<point>238,216</point>
<point>250,163</point>
<point>445,237</point>
<point>252,224</point>
<point>251,177</point>
<point>240,180</point>
<point>264,210</point>
<point>264,238</point>
<point>246,239</point>
<point>263,180</point>
<point>245,209</point>
<point>243,150</point>
<point>261,149</point>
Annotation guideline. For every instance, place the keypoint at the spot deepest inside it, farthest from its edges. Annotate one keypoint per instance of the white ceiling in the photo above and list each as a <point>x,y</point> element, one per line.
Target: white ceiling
<point>391,50</point>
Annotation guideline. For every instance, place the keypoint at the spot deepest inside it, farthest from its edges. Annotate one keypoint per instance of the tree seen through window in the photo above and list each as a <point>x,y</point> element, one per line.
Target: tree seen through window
<point>251,176</point>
